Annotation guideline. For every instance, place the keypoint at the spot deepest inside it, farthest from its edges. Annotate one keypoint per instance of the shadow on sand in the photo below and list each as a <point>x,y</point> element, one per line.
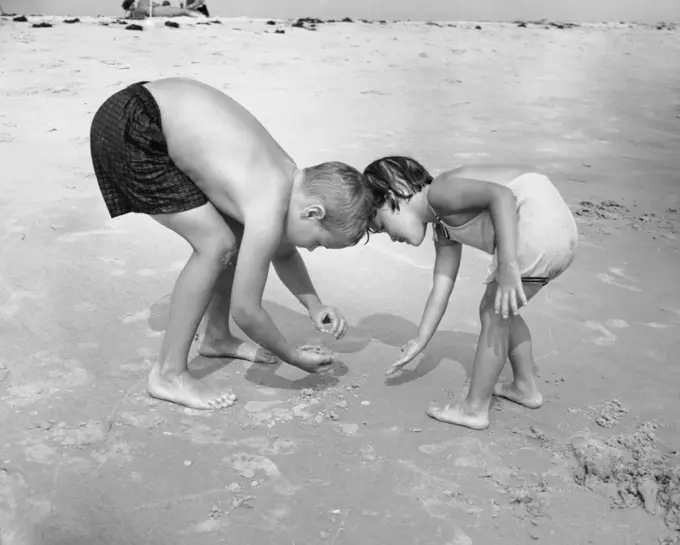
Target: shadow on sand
<point>387,329</point>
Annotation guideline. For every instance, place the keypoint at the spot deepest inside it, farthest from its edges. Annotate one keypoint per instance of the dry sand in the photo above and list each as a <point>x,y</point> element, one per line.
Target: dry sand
<point>87,458</point>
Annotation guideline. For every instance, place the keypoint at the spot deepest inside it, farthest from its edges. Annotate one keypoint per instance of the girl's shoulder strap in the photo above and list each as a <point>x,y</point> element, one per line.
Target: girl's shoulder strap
<point>439,231</point>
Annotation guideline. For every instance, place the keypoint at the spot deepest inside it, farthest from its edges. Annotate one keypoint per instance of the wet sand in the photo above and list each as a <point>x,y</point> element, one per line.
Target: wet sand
<point>87,457</point>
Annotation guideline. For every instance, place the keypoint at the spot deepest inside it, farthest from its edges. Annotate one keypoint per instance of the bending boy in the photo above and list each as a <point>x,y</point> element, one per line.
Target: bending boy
<point>202,166</point>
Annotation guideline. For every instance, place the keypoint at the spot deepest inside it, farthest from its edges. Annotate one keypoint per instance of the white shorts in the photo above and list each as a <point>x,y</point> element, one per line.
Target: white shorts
<point>546,230</point>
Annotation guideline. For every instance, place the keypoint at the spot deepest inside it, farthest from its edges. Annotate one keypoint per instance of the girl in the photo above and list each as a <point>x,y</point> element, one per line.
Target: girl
<point>516,215</point>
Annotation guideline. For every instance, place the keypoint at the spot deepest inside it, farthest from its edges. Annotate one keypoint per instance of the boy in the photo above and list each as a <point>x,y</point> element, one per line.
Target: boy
<point>202,166</point>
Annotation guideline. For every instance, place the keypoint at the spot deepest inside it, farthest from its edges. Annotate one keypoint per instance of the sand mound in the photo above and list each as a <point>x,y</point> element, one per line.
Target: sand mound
<point>632,471</point>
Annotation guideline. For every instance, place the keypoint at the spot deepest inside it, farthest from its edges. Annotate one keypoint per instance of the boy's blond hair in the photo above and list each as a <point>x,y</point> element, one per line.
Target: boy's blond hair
<point>345,195</point>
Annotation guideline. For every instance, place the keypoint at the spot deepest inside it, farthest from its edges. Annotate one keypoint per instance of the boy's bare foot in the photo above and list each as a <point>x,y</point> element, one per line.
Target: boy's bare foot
<point>529,397</point>
<point>233,347</point>
<point>184,389</point>
<point>459,415</point>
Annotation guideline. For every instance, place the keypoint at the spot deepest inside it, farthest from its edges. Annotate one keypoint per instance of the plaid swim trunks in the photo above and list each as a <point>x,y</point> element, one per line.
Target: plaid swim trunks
<point>131,161</point>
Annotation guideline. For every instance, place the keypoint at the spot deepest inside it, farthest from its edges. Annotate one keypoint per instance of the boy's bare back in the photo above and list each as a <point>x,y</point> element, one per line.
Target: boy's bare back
<point>222,147</point>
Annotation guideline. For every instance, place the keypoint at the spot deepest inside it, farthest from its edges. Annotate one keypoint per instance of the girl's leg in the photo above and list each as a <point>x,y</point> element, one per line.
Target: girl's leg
<point>492,350</point>
<point>522,389</point>
<point>213,246</point>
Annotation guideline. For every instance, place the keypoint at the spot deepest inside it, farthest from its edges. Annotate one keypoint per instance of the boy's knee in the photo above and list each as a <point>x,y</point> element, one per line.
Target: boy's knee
<point>220,248</point>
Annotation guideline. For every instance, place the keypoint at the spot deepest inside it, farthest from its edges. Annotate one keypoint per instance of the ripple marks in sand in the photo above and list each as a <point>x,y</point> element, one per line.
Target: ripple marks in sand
<point>606,337</point>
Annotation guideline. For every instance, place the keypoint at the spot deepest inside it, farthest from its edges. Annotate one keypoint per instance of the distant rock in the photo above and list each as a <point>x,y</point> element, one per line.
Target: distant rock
<point>72,21</point>
<point>134,27</point>
<point>171,24</point>
<point>308,23</point>
<point>41,25</point>
<point>20,19</point>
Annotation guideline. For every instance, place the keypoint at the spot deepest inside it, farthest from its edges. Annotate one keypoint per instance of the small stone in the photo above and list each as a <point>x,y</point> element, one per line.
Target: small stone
<point>187,463</point>
<point>365,402</point>
<point>415,430</point>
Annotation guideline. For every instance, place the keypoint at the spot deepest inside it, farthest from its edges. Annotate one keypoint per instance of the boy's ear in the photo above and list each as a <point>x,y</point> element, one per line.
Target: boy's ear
<point>313,212</point>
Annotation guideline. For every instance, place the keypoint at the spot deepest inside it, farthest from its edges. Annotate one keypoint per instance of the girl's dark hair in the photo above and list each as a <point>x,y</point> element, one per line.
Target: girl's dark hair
<point>393,178</point>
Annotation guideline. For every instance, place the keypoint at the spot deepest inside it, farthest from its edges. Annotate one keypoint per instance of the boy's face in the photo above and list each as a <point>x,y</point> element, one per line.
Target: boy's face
<point>403,225</point>
<point>304,229</point>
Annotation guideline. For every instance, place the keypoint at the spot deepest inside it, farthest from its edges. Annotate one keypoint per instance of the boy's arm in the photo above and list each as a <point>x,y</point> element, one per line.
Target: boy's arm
<point>446,266</point>
<point>260,242</point>
<point>291,269</point>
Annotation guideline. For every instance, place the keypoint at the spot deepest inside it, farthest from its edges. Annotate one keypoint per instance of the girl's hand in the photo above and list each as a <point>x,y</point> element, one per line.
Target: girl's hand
<point>409,351</point>
<point>510,290</point>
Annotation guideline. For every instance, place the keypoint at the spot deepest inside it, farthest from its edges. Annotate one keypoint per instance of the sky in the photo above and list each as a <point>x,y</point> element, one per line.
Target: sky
<point>416,10</point>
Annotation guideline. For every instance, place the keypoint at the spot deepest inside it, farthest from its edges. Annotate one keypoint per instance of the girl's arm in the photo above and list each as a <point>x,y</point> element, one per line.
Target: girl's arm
<point>446,266</point>
<point>450,194</point>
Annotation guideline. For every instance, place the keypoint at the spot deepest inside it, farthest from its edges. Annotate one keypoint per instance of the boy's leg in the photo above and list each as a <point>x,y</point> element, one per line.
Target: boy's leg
<point>213,246</point>
<point>492,350</point>
<point>218,341</point>
<point>522,389</point>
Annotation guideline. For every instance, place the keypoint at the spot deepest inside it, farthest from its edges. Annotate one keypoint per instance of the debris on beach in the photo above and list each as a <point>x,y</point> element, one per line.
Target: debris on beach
<point>318,348</point>
<point>308,23</point>
<point>546,23</point>
<point>609,210</point>
<point>631,471</point>
<point>602,210</point>
<point>610,413</point>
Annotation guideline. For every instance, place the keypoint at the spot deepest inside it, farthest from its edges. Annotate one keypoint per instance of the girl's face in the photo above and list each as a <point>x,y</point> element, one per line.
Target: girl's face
<point>403,225</point>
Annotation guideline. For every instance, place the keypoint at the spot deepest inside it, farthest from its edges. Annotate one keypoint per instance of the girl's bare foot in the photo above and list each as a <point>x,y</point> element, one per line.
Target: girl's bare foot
<point>459,415</point>
<point>186,390</point>
<point>527,396</point>
<point>233,347</point>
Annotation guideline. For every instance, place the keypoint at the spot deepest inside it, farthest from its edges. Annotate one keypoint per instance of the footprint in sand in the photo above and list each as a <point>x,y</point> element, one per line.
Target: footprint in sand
<point>617,324</point>
<point>607,338</point>
<point>249,465</point>
<point>135,317</point>
<point>655,325</point>
<point>607,279</point>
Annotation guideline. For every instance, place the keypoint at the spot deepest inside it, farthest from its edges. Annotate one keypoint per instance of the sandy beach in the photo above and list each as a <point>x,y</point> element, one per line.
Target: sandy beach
<point>86,457</point>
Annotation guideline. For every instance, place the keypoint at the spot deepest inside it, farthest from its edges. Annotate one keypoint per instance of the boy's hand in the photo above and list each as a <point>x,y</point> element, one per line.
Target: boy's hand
<point>409,351</point>
<point>510,291</point>
<point>313,359</point>
<point>329,320</point>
